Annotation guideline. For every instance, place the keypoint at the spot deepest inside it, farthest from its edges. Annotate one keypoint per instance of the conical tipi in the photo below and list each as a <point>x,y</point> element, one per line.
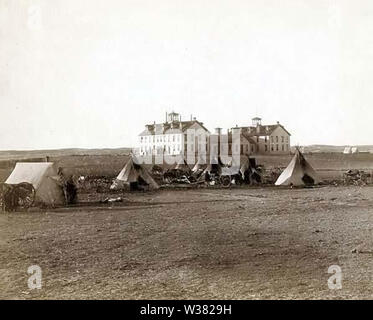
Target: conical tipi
<point>133,172</point>
<point>298,173</point>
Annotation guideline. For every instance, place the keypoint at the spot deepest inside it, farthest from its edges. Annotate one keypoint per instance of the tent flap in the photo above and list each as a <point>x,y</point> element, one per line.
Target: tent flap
<point>298,173</point>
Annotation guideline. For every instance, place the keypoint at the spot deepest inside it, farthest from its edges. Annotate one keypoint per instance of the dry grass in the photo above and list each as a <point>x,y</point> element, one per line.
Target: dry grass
<point>243,243</point>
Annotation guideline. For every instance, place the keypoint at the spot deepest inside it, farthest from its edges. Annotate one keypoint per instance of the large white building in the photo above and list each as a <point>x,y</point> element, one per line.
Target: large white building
<point>173,137</point>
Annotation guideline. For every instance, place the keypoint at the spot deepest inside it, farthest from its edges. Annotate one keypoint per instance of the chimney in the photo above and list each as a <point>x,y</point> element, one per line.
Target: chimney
<point>278,122</point>
<point>236,129</point>
<point>218,131</point>
<point>194,118</point>
<point>166,117</point>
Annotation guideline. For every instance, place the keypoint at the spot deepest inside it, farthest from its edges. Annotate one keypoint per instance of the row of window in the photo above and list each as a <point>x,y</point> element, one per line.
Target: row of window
<point>283,147</point>
<point>174,138</point>
<point>170,138</point>
<point>169,149</point>
<point>165,138</point>
<point>276,139</point>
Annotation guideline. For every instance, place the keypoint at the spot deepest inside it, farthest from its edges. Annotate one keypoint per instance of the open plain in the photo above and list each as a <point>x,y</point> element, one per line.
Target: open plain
<point>207,243</point>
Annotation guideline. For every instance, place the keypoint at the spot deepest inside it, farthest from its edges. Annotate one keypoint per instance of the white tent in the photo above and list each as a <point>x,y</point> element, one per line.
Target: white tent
<point>133,172</point>
<point>200,165</point>
<point>354,150</point>
<point>298,173</point>
<point>182,165</point>
<point>347,150</point>
<point>44,178</point>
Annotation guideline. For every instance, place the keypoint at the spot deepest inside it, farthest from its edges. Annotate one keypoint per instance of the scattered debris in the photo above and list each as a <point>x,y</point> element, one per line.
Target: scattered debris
<point>356,177</point>
<point>110,200</point>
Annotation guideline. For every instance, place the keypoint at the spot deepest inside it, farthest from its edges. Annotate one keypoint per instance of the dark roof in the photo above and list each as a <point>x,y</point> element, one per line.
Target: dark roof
<point>264,130</point>
<point>146,132</point>
<point>164,128</point>
<point>243,136</point>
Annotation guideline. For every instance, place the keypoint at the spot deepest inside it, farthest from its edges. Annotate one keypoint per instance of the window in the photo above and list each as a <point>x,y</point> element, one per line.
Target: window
<point>276,139</point>
<point>282,139</point>
<point>266,148</point>
<point>276,147</point>
<point>283,148</point>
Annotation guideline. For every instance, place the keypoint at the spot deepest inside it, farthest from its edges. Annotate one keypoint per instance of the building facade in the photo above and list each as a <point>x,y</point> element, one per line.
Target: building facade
<point>264,139</point>
<point>173,137</point>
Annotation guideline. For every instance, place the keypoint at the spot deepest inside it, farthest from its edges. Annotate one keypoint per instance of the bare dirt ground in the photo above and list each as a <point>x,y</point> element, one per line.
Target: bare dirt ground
<point>242,243</point>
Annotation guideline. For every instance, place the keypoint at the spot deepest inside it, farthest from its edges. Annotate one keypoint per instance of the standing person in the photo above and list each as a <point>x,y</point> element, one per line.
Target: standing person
<point>68,186</point>
<point>10,198</point>
<point>71,190</point>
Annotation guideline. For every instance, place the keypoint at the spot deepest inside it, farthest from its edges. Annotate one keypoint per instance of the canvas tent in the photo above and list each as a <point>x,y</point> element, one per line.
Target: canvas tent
<point>134,174</point>
<point>181,165</point>
<point>213,168</point>
<point>247,168</point>
<point>298,173</point>
<point>44,178</point>
<point>200,165</point>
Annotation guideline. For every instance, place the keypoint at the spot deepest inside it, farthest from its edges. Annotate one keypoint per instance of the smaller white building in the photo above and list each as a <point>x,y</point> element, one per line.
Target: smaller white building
<point>351,150</point>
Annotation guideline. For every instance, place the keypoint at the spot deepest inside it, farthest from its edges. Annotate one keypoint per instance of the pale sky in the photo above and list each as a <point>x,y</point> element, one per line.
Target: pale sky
<point>90,73</point>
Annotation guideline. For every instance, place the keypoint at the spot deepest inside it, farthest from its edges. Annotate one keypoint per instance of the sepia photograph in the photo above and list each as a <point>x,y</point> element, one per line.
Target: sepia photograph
<point>186,151</point>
